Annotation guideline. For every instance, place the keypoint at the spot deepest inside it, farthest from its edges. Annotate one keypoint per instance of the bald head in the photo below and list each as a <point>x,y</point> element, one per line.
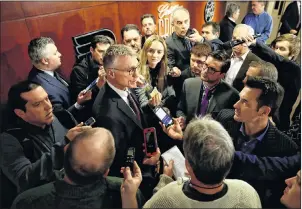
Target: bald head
<point>90,155</point>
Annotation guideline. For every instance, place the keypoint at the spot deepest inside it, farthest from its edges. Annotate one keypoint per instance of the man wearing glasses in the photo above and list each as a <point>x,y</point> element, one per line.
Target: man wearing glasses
<point>207,93</point>
<point>116,108</point>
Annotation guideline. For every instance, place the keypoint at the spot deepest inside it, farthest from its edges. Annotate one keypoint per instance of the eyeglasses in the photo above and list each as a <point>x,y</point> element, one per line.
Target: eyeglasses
<point>131,70</point>
<point>211,70</point>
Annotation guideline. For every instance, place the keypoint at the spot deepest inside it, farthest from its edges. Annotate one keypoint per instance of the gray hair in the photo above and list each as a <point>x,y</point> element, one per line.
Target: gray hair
<point>209,150</point>
<point>267,69</point>
<point>115,51</point>
<point>37,49</point>
<point>177,10</point>
<point>248,28</point>
<point>231,9</point>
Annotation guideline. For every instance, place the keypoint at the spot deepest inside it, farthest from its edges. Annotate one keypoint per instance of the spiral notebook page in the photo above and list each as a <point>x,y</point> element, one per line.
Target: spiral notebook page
<point>179,168</point>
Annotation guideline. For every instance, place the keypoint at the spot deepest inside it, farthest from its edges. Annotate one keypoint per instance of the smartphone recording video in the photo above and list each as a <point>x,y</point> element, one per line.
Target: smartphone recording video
<point>163,116</point>
<point>150,141</point>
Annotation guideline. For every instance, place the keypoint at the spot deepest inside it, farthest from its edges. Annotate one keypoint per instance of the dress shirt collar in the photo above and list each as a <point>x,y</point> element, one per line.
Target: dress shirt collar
<point>242,57</point>
<point>49,72</point>
<point>232,19</point>
<point>259,136</point>
<point>122,93</point>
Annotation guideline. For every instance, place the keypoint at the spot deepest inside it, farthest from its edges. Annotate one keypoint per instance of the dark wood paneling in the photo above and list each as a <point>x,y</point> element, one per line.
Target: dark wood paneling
<point>11,11</point>
<point>15,63</point>
<point>42,8</point>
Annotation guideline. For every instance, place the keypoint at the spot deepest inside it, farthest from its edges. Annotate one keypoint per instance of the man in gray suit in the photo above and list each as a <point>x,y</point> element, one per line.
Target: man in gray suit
<point>241,57</point>
<point>207,93</point>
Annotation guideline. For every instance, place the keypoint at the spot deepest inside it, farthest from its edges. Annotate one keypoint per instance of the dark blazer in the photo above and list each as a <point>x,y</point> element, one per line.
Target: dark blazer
<point>237,83</point>
<point>223,97</point>
<point>112,113</point>
<point>290,19</point>
<point>226,29</point>
<point>274,144</point>
<point>58,93</point>
<point>289,77</point>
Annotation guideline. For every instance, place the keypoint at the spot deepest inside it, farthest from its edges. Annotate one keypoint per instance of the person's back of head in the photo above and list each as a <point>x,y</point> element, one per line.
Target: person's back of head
<point>89,156</point>
<point>209,150</point>
<point>264,70</point>
<point>233,11</point>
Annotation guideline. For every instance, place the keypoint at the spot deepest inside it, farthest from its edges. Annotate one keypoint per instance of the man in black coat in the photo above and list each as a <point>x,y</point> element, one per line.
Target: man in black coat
<point>208,87</point>
<point>116,108</point>
<point>86,71</point>
<point>228,23</point>
<point>291,19</point>
<point>252,132</point>
<point>33,148</point>
<point>210,32</point>
<point>179,45</point>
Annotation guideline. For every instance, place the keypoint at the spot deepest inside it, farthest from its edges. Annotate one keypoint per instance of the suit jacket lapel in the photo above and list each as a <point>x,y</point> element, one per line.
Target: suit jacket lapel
<point>121,104</point>
<point>195,99</point>
<point>53,81</point>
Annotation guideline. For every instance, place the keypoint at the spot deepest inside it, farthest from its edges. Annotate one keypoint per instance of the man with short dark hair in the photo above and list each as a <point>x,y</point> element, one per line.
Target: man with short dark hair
<point>210,31</point>
<point>254,134</point>
<point>209,153</point>
<point>148,26</point>
<point>259,20</point>
<point>207,93</point>
<point>86,183</point>
<point>86,71</point>
<point>131,36</point>
<point>228,23</point>
<point>33,148</point>
<point>46,60</point>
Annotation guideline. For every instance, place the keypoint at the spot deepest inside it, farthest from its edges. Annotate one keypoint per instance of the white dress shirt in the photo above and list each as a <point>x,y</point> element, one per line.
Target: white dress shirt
<point>236,63</point>
<point>122,93</point>
<point>49,72</point>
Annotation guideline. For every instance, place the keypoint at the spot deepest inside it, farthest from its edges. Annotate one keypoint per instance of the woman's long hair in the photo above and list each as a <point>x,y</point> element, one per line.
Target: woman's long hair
<point>144,67</point>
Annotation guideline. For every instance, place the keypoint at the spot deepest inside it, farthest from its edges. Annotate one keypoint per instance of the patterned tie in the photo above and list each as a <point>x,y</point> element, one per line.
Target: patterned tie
<point>204,102</point>
<point>133,106</point>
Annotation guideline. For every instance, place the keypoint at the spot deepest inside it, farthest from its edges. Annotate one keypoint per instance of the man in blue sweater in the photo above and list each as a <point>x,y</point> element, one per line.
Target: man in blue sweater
<point>259,20</point>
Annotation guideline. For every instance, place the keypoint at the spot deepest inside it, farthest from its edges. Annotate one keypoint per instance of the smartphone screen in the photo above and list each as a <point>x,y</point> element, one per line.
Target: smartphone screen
<point>89,122</point>
<point>163,116</point>
<point>150,140</point>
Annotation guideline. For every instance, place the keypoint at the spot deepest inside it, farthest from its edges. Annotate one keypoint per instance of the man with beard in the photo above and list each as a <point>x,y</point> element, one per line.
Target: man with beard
<point>214,94</point>
<point>86,71</point>
<point>131,36</point>
<point>148,26</point>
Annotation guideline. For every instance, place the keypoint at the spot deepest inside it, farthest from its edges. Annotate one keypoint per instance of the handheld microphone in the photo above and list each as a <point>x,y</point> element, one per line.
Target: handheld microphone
<point>237,42</point>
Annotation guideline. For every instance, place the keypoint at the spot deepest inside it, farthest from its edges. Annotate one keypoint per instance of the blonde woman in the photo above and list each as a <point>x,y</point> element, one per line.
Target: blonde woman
<point>153,70</point>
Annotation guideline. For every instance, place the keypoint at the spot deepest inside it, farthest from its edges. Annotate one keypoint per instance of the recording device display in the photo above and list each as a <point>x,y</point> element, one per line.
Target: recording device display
<point>190,32</point>
<point>237,42</point>
<point>91,85</point>
<point>89,122</point>
<point>130,158</point>
<point>150,141</point>
<point>164,117</point>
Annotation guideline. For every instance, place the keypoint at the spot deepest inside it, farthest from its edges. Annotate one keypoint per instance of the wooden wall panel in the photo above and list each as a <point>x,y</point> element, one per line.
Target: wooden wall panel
<point>103,16</point>
<point>11,11</point>
<point>14,62</point>
<point>60,27</point>
<point>23,21</point>
<point>42,8</point>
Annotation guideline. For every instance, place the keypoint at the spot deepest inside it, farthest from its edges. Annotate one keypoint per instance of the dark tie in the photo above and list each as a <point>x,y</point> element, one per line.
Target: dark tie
<point>133,106</point>
<point>204,102</point>
<point>58,77</point>
<point>187,44</point>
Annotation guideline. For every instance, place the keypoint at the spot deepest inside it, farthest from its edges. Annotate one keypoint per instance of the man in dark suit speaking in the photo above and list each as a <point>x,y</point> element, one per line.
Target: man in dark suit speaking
<point>116,108</point>
<point>207,93</point>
